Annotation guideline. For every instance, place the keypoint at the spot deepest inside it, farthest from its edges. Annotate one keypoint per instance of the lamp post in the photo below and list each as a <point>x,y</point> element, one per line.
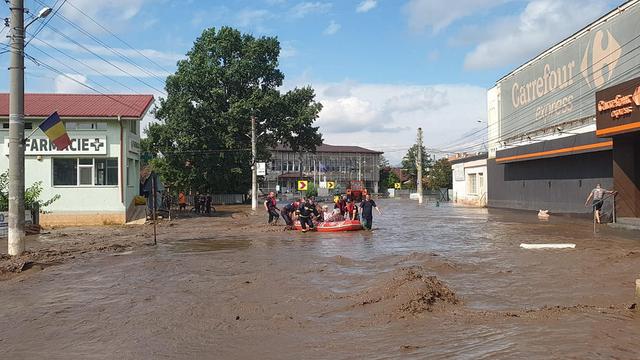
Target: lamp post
<point>15,242</point>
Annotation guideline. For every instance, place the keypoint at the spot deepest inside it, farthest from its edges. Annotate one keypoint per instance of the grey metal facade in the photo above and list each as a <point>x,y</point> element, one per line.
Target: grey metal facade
<point>560,184</point>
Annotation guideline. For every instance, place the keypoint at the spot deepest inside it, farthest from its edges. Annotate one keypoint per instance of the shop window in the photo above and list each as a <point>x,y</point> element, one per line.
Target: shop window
<point>65,172</point>
<point>106,172</point>
<point>85,172</point>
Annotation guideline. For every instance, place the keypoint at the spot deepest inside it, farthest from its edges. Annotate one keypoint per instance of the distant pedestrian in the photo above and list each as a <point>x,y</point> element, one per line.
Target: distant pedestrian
<point>207,204</point>
<point>196,203</point>
<point>182,201</point>
<point>366,209</point>
<point>270,204</point>
<point>597,197</point>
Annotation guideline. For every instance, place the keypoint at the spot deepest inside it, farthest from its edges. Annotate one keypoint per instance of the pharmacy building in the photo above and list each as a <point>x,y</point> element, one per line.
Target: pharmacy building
<point>97,176</point>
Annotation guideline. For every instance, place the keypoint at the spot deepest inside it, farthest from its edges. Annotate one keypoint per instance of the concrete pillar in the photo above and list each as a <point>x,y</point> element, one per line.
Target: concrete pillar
<point>375,187</point>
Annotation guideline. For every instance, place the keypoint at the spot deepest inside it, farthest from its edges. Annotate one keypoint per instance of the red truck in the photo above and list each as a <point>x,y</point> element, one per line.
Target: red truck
<point>356,190</point>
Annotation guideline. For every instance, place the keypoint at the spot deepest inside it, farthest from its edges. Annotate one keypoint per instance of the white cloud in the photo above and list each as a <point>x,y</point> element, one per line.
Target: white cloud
<point>306,8</point>
<point>161,57</point>
<point>333,28</point>
<point>113,14</point>
<point>122,69</point>
<point>513,40</point>
<point>366,5</point>
<point>287,50</point>
<point>252,17</point>
<point>437,15</point>
<point>386,116</point>
<point>70,84</point>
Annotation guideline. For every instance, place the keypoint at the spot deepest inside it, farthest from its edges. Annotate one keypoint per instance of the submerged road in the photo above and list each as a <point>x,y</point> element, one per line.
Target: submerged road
<point>428,282</point>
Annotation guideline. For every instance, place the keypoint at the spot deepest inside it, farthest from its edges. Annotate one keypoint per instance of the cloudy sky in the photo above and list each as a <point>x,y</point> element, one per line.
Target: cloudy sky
<point>381,68</point>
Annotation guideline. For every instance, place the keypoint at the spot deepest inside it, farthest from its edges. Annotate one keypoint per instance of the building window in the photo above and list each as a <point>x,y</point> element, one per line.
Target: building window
<point>81,126</point>
<point>65,172</point>
<point>133,127</point>
<point>472,184</point>
<point>106,171</point>
<point>85,172</point>
<point>27,126</point>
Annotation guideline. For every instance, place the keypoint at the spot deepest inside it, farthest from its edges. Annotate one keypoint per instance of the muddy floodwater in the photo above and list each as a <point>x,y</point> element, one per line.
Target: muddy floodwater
<point>428,283</point>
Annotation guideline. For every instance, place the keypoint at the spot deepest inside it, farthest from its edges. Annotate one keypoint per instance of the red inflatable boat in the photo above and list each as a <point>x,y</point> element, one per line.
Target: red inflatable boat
<point>334,226</point>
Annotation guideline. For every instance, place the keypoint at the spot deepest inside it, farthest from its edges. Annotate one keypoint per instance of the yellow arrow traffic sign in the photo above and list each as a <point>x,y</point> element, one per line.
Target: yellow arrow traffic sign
<point>303,185</point>
<point>331,185</point>
<point>397,185</point>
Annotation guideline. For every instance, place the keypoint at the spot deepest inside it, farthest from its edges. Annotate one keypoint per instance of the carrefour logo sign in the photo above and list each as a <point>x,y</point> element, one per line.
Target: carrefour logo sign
<point>80,145</point>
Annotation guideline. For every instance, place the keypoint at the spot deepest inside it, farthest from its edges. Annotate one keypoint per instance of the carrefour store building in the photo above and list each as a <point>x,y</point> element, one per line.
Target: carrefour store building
<point>546,149</point>
<point>97,176</point>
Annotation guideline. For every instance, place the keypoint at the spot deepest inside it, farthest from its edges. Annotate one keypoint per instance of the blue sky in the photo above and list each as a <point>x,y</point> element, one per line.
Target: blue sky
<point>381,68</point>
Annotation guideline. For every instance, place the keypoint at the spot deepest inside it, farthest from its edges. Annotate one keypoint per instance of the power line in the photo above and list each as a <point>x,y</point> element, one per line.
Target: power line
<point>105,60</point>
<point>46,21</point>
<point>53,69</point>
<point>119,38</point>
<point>531,106</point>
<point>81,63</point>
<point>111,49</point>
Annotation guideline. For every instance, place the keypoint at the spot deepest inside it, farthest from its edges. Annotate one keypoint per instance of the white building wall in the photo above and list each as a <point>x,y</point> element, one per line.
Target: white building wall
<point>463,192</point>
<point>105,201</point>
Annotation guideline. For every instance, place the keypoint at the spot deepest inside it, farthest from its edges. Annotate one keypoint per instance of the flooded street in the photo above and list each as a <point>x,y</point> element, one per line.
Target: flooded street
<point>428,282</point>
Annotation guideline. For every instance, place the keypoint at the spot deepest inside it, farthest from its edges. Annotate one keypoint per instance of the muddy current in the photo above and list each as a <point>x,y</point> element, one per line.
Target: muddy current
<point>429,282</point>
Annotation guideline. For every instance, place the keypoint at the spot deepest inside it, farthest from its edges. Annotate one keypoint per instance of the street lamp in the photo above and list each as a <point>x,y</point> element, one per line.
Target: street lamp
<point>15,242</point>
<point>43,13</point>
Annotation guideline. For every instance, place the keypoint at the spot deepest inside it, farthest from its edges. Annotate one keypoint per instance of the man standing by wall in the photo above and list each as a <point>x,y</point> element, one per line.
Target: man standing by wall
<point>597,195</point>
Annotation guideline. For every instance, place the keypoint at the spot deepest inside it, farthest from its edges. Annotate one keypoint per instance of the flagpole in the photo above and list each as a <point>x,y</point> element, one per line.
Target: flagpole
<point>33,132</point>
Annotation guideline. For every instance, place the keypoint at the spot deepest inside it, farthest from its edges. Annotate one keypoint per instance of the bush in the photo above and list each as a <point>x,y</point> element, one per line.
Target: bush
<point>31,195</point>
<point>311,190</point>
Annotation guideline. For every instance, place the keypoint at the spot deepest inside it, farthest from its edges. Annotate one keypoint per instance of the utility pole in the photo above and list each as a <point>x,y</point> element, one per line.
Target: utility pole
<point>16,129</point>
<point>254,170</point>
<point>419,166</point>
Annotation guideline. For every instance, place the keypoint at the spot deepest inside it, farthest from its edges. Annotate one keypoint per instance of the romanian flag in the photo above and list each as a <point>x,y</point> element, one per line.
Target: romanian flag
<point>55,131</point>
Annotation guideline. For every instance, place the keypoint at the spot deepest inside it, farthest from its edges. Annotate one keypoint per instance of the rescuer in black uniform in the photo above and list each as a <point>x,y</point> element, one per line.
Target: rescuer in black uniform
<point>307,210</point>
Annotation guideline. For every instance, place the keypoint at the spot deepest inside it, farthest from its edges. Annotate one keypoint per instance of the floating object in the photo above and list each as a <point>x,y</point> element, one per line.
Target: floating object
<point>543,214</point>
<point>334,226</point>
<point>547,246</point>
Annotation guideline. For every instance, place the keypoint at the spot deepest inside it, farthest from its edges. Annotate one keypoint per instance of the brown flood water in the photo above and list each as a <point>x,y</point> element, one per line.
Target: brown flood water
<point>428,283</point>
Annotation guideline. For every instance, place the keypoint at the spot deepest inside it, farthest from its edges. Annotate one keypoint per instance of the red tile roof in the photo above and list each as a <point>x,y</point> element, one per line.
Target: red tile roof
<point>332,148</point>
<point>81,105</point>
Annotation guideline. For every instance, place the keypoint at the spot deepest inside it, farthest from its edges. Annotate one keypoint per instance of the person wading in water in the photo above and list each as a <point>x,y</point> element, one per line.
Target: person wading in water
<point>597,195</point>
<point>366,209</point>
<point>272,209</point>
<point>307,210</point>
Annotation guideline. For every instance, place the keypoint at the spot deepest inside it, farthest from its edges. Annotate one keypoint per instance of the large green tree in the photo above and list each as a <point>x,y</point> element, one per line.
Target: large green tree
<point>202,141</point>
<point>440,176</point>
<point>409,163</point>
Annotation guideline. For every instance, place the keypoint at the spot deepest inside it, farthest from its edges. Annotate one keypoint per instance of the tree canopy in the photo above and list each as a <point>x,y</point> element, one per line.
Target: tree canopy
<point>440,176</point>
<point>410,160</point>
<point>202,141</point>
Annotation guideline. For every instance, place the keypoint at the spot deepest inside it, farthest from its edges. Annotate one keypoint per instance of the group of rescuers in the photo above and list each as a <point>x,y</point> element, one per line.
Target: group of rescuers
<point>306,210</point>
